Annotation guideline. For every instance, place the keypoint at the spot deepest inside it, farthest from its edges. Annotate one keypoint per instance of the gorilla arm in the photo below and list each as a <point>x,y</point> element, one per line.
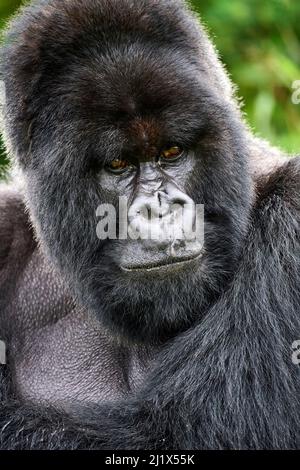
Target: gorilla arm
<point>233,384</point>
<point>227,383</point>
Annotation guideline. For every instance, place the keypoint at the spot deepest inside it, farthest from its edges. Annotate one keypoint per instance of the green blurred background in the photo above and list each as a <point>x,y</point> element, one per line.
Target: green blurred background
<point>259,41</point>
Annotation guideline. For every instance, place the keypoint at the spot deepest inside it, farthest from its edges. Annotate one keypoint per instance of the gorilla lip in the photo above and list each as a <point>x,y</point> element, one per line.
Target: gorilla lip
<point>162,266</point>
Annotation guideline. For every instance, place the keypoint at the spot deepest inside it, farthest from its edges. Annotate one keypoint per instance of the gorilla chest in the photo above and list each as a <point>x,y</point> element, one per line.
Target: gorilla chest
<point>59,353</point>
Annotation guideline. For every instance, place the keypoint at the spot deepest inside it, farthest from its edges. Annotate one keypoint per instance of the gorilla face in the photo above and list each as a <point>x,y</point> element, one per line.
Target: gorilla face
<point>135,118</point>
<point>156,206</point>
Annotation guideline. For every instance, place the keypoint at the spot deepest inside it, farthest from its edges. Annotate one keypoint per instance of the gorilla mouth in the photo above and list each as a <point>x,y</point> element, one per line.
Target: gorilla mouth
<point>168,264</point>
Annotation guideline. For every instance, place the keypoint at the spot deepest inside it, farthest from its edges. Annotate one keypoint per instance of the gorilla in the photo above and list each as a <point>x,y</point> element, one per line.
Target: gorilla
<point>135,343</point>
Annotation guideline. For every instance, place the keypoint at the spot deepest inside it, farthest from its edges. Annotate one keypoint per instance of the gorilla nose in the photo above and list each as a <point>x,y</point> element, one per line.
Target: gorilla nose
<point>150,208</point>
<point>161,218</point>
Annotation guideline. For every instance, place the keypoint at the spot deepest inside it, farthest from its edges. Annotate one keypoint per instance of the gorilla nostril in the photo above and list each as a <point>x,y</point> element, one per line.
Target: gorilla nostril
<point>178,202</point>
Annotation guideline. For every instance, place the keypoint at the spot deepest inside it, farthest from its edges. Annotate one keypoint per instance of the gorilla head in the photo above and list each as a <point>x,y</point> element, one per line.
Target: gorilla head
<point>109,99</point>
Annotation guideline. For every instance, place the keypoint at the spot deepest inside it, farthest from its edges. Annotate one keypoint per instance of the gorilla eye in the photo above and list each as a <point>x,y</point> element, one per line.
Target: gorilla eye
<point>118,166</point>
<point>171,154</point>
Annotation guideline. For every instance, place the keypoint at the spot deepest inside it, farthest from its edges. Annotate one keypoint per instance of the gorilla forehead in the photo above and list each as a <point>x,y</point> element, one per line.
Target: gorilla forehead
<point>127,100</point>
<point>148,101</point>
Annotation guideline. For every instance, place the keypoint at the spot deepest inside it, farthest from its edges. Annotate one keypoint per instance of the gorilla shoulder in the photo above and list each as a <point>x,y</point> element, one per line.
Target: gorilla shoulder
<point>16,236</point>
<point>283,182</point>
<point>16,241</point>
<point>275,174</point>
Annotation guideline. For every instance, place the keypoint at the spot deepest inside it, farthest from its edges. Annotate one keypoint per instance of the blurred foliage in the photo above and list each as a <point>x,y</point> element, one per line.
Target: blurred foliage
<point>260,44</point>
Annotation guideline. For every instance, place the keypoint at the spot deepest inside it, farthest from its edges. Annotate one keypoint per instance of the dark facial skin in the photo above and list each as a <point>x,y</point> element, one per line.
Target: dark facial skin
<point>152,189</point>
<point>132,104</point>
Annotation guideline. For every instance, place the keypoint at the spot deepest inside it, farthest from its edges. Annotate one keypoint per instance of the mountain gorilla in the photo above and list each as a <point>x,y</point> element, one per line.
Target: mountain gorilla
<point>141,344</point>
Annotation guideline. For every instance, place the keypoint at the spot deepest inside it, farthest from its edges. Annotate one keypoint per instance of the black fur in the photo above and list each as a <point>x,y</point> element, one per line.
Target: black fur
<point>77,74</point>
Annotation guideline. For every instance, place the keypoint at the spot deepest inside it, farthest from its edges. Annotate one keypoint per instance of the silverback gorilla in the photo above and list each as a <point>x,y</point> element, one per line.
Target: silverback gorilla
<point>141,344</point>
